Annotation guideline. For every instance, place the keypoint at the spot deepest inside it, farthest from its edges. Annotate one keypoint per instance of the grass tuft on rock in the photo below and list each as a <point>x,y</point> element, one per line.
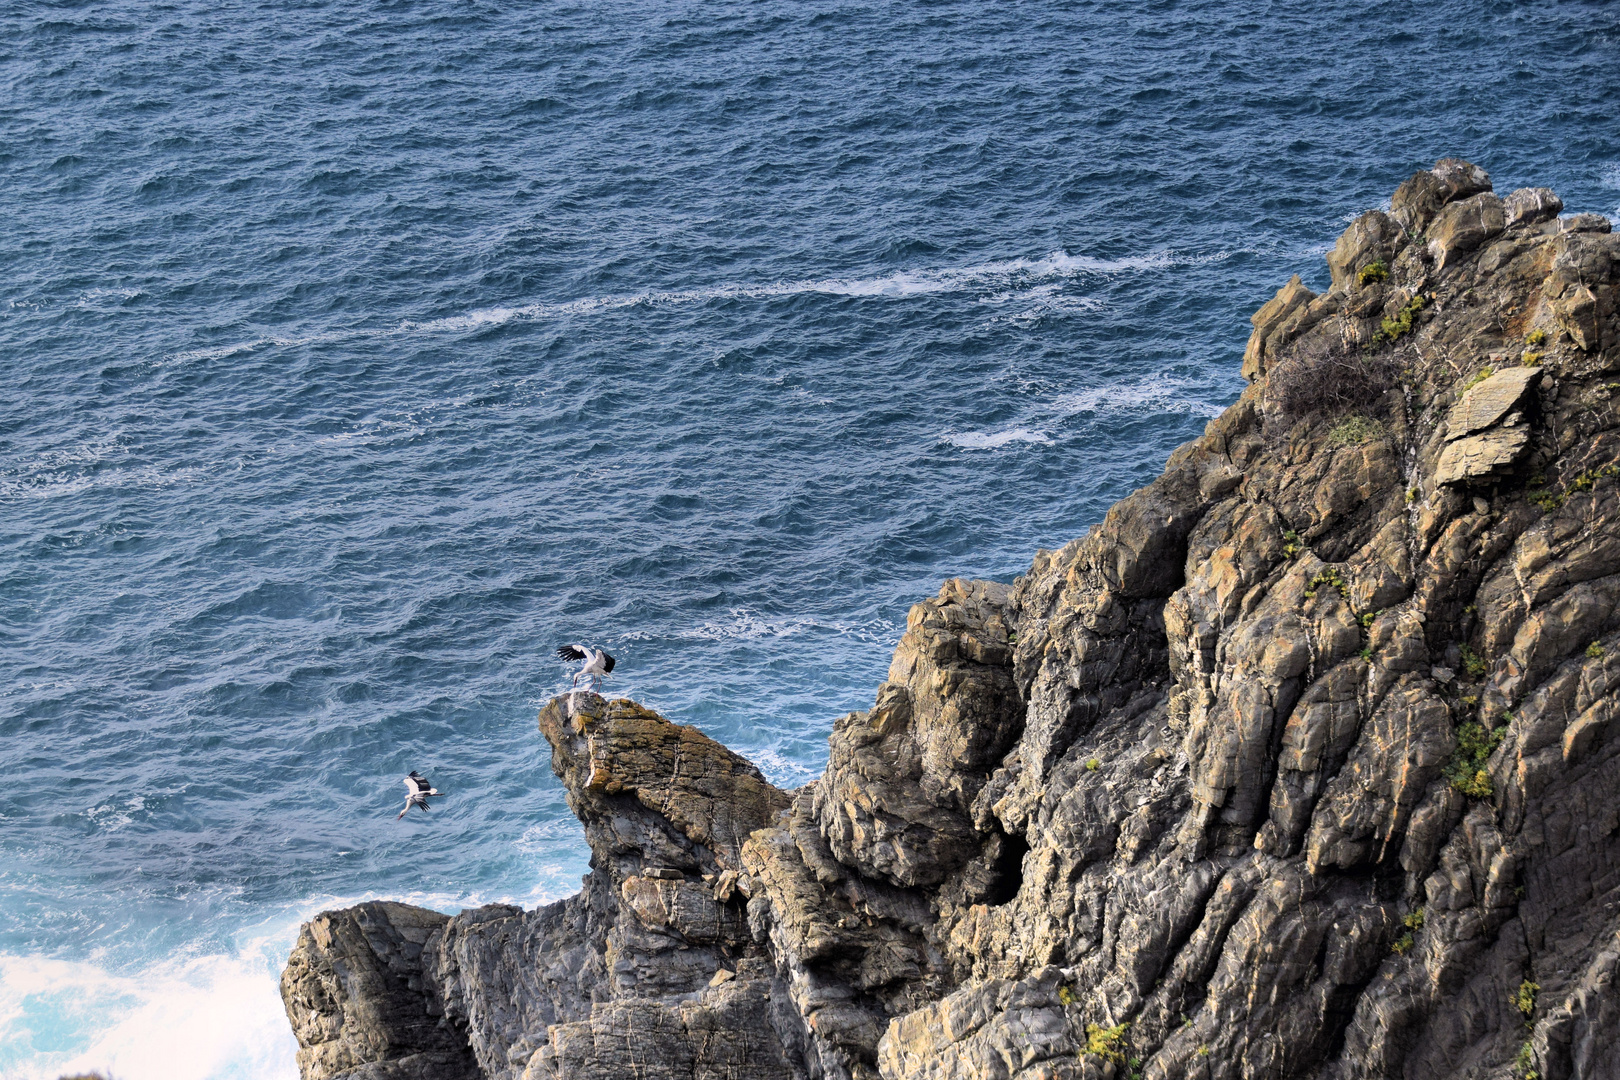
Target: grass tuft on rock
<point>1107,1043</point>
<point>1354,430</point>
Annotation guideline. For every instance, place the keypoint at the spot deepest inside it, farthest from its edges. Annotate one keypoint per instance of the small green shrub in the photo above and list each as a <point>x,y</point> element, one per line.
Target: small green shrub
<point>1367,618</point>
<point>1354,430</point>
<point>1403,944</point>
<point>1536,338</point>
<point>1107,1043</point>
<point>1399,325</point>
<point>1547,500</point>
<point>1291,545</point>
<point>1525,999</point>
<point>1411,496</point>
<point>1366,654</point>
<point>1526,1062</point>
<point>1373,271</point>
<point>1473,663</point>
<point>1594,651</point>
<point>1092,764</point>
<point>1327,576</point>
<point>1466,770</point>
<point>1479,376</point>
<point>1066,995</point>
<point>1414,920</point>
<point>1530,359</point>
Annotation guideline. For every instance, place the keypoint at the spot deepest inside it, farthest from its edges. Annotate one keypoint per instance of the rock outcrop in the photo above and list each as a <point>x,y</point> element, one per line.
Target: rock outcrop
<point>1303,763</point>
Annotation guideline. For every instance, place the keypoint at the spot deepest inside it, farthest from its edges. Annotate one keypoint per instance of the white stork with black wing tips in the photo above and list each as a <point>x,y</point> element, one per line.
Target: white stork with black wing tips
<point>417,790</point>
<point>597,664</point>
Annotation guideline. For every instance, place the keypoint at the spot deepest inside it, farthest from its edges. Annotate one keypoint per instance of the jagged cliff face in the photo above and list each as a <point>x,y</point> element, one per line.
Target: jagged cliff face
<point>1301,764</point>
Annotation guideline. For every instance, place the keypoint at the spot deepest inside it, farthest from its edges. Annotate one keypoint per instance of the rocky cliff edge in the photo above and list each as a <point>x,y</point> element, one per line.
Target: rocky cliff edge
<point>1303,763</point>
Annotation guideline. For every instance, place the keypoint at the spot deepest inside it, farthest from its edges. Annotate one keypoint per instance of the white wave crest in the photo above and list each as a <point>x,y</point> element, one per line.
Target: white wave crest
<point>1006,278</point>
<point>994,440</point>
<point>1160,393</point>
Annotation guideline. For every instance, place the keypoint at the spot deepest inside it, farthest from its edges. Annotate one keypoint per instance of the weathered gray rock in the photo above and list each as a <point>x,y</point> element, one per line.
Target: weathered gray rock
<point>355,994</point>
<point>1527,206</point>
<point>901,778</point>
<point>1304,764</point>
<point>1292,297</point>
<point>1461,227</point>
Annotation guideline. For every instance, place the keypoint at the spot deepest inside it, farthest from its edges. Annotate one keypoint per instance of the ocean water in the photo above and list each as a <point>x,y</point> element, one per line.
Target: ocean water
<point>356,355</point>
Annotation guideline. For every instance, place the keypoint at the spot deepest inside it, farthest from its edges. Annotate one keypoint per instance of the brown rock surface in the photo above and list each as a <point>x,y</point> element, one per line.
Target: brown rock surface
<point>1303,763</point>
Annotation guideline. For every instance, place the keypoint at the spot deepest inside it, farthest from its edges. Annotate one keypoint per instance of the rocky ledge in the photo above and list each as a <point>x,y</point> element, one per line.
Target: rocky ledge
<point>1305,762</point>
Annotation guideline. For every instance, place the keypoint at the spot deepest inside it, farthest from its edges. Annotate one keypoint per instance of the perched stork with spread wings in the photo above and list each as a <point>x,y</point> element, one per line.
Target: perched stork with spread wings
<point>417,790</point>
<point>598,664</point>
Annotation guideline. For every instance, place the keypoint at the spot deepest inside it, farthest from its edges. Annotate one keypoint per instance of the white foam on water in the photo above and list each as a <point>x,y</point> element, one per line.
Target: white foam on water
<point>1158,393</point>
<point>994,440</point>
<point>1009,277</point>
<point>205,1018</point>
<point>781,770</point>
<point>210,1016</point>
<point>746,624</point>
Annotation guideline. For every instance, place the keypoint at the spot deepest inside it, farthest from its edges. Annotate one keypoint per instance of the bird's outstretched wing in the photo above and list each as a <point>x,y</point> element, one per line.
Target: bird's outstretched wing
<point>607,663</point>
<point>571,652</point>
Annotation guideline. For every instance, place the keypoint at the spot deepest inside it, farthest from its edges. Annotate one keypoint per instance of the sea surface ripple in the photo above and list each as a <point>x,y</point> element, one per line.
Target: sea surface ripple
<point>357,354</point>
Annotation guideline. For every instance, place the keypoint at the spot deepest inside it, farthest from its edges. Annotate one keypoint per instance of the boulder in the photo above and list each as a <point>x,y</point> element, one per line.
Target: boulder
<point>1290,298</point>
<point>354,991</point>
<point>1461,227</point>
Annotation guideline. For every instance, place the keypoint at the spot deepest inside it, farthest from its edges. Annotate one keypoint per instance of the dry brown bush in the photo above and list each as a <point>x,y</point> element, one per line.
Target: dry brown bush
<point>1320,379</point>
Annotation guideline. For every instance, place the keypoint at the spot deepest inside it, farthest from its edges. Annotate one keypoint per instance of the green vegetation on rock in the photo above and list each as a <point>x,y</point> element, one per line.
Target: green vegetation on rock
<point>1466,771</point>
<point>1107,1043</point>
<point>1354,430</point>
<point>1525,999</point>
<point>1328,575</point>
<point>1373,271</point>
<point>1399,325</point>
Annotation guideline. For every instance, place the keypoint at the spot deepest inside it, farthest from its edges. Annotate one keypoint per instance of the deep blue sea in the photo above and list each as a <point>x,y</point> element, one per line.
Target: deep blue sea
<point>358,354</point>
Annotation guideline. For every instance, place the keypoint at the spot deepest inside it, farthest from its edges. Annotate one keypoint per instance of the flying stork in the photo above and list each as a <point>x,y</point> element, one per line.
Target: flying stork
<point>417,790</point>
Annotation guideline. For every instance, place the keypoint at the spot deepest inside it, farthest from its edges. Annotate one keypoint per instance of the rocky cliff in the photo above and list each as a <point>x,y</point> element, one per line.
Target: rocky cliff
<point>1303,763</point>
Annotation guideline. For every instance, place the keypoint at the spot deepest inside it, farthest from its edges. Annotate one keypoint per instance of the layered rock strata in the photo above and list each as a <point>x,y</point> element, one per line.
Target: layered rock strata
<point>1304,762</point>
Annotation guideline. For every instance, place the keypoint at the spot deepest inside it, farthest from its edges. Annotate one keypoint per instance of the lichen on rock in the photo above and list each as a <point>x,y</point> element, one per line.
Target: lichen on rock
<point>1187,799</point>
